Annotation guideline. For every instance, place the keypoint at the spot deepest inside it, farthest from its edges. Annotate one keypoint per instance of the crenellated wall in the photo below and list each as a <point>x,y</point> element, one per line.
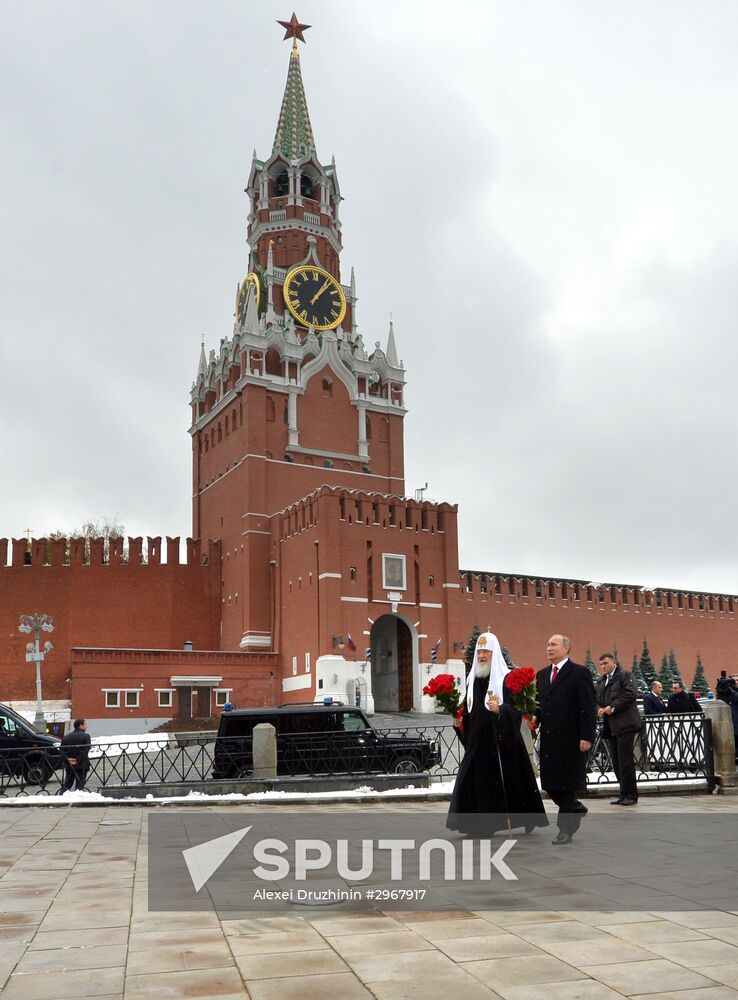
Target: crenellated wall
<point>102,598</point>
<point>525,610</point>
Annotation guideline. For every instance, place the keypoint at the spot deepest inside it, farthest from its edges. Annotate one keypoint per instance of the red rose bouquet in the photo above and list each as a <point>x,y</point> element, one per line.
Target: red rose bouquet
<point>443,689</point>
<point>521,682</point>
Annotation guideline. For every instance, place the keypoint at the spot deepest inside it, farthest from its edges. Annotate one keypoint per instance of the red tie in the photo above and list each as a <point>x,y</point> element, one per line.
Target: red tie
<point>554,671</point>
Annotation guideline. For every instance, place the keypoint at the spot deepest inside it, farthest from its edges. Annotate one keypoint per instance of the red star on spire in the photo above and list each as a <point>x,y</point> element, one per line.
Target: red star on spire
<point>294,28</point>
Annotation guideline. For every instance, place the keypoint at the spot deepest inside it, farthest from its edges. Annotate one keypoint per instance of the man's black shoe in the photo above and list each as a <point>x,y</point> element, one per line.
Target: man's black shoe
<point>562,838</point>
<point>580,809</point>
<point>628,801</point>
<point>616,802</point>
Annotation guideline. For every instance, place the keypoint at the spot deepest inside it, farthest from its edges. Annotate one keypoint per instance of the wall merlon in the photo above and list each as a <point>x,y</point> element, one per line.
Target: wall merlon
<point>79,551</point>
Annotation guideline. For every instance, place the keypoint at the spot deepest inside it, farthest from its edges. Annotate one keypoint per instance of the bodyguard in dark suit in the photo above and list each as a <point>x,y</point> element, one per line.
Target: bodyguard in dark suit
<point>567,714</point>
<point>621,720</point>
<point>653,703</point>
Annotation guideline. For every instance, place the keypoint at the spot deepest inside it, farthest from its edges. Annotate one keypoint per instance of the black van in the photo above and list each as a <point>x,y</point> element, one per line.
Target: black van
<point>26,756</point>
<point>319,739</point>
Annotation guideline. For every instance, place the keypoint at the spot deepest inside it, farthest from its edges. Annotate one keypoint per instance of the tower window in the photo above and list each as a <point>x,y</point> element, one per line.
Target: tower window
<point>327,386</point>
<point>281,184</point>
<point>307,188</point>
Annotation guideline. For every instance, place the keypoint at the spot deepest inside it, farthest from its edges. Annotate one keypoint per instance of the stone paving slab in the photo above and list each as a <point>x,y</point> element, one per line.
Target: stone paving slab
<point>74,922</point>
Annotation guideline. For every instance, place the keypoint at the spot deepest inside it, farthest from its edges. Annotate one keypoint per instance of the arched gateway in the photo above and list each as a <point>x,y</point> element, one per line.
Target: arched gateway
<point>394,654</point>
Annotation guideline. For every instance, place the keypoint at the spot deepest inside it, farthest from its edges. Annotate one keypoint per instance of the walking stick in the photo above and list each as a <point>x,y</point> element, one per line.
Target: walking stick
<point>493,697</point>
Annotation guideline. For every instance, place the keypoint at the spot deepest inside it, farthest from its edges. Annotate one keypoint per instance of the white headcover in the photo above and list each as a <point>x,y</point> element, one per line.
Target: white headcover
<point>498,669</point>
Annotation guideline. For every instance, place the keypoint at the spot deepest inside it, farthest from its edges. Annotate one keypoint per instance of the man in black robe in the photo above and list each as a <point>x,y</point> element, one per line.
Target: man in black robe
<point>567,714</point>
<point>495,784</point>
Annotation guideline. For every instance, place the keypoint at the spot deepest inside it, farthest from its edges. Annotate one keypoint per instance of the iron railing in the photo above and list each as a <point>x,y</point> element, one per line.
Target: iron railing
<point>670,748</point>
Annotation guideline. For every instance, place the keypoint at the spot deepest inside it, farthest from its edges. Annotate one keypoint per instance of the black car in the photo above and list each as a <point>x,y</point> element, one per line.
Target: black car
<point>319,739</point>
<point>25,755</point>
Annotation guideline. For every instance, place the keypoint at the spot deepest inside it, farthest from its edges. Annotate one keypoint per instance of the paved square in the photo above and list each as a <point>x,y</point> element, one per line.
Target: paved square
<point>74,922</point>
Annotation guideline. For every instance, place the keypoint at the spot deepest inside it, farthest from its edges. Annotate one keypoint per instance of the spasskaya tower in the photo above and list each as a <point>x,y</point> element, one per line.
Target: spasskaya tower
<point>292,400</point>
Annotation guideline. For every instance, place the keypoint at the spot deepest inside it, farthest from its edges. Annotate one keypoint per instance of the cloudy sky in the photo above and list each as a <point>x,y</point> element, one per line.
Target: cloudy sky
<point>542,193</point>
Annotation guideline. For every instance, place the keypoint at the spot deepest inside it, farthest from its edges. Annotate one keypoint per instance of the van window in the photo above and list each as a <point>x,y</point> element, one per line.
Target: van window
<point>9,727</point>
<point>352,722</point>
<point>308,722</point>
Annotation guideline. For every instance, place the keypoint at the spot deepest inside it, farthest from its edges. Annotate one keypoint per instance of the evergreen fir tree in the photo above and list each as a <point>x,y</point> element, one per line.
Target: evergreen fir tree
<point>589,662</point>
<point>665,675</point>
<point>648,671</point>
<point>674,666</point>
<point>617,658</point>
<point>472,645</point>
<point>638,676</point>
<point>699,684</point>
<point>507,657</point>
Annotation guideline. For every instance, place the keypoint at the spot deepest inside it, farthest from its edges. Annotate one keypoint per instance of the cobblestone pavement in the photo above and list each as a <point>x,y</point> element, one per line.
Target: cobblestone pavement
<point>74,922</point>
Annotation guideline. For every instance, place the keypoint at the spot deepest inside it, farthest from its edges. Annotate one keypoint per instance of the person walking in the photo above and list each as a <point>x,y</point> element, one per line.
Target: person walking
<point>495,785</point>
<point>617,706</point>
<point>653,703</point>
<point>683,702</point>
<point>75,751</point>
<point>568,719</point>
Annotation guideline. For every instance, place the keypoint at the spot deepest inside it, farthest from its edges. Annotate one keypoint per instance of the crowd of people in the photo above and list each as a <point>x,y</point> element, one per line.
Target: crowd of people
<point>496,786</point>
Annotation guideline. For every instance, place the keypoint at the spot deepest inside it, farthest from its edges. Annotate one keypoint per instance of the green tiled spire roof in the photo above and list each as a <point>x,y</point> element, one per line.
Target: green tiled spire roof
<point>294,135</point>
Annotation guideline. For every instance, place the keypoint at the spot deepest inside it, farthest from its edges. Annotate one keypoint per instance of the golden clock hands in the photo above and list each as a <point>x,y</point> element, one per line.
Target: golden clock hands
<point>320,291</point>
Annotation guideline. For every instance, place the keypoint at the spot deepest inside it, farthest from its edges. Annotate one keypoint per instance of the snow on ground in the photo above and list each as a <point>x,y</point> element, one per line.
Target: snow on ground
<point>438,790</point>
<point>144,742</point>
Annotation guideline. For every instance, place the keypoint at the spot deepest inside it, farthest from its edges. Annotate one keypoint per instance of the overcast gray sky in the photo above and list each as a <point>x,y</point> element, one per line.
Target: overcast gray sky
<point>542,193</point>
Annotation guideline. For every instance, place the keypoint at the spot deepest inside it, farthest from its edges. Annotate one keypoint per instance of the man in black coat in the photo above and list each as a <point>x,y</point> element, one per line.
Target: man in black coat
<point>616,705</point>
<point>75,751</point>
<point>567,714</point>
<point>653,703</point>
<point>682,702</point>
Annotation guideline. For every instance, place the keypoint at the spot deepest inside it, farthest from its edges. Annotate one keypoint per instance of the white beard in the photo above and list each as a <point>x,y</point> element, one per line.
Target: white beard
<point>483,669</point>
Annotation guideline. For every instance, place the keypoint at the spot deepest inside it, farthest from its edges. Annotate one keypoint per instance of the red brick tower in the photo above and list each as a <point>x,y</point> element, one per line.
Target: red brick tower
<point>292,401</point>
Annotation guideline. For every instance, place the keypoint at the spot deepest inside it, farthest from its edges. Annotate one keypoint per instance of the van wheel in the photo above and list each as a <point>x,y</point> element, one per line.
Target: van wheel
<point>408,764</point>
<point>36,771</point>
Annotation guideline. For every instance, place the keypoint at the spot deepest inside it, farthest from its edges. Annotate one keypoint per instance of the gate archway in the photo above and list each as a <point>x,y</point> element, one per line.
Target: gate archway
<point>392,664</point>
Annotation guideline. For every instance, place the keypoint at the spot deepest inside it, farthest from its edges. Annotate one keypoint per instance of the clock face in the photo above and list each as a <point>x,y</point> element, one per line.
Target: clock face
<point>314,297</point>
<point>249,286</point>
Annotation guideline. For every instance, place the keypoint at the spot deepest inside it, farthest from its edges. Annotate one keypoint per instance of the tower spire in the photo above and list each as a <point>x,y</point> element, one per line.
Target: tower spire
<point>294,135</point>
<point>391,352</point>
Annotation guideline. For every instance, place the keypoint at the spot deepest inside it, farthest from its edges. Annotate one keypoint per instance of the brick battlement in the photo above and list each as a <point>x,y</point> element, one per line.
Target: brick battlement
<point>40,552</point>
<point>586,594</point>
<point>365,508</point>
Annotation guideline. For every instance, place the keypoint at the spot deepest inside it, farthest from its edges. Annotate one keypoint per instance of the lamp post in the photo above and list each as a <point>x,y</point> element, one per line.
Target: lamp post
<point>37,624</point>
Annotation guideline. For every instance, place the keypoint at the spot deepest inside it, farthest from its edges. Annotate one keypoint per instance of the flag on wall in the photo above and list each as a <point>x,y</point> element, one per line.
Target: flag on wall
<point>350,642</point>
<point>434,650</point>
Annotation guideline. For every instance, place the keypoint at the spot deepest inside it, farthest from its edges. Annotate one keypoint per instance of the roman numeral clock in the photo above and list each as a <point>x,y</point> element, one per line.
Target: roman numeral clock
<point>314,297</point>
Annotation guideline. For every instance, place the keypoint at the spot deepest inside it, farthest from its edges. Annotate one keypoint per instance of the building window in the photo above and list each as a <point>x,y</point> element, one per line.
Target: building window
<point>166,698</point>
<point>524,588</point>
<point>552,590</point>
<point>539,589</point>
<point>483,584</point>
<point>307,663</point>
<point>281,185</point>
<point>393,571</point>
<point>431,581</point>
<point>327,386</point>
<point>352,573</point>
<point>222,697</point>
<point>307,188</point>
<point>294,666</point>
<point>112,699</point>
<point>132,698</point>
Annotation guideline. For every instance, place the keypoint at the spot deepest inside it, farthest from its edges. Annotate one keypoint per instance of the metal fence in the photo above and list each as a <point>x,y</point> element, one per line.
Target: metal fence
<point>670,748</point>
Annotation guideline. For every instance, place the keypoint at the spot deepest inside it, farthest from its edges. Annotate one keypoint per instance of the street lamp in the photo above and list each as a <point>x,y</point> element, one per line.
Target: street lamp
<point>37,624</point>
